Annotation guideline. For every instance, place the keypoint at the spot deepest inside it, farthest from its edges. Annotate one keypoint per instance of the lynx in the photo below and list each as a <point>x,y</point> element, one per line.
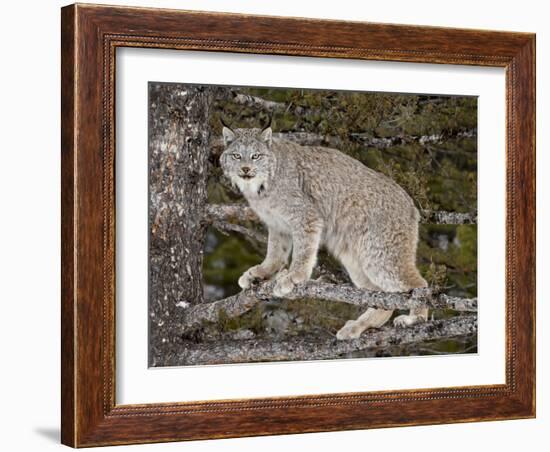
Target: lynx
<point>311,196</point>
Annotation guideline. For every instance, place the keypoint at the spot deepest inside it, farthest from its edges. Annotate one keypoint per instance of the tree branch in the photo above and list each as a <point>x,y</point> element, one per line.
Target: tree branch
<point>241,212</point>
<point>270,106</point>
<point>443,217</point>
<point>257,102</point>
<point>303,348</point>
<point>317,139</point>
<point>230,212</point>
<point>387,142</point>
<point>251,235</point>
<point>343,293</point>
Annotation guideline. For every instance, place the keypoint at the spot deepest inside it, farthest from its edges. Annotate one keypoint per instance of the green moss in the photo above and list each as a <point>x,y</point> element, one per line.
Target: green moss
<point>252,320</point>
<point>228,261</point>
<point>328,316</point>
<point>459,259</point>
<point>309,316</point>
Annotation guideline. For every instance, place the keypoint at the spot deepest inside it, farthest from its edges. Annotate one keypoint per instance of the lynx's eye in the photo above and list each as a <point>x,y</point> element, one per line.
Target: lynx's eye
<point>255,156</point>
<point>237,156</point>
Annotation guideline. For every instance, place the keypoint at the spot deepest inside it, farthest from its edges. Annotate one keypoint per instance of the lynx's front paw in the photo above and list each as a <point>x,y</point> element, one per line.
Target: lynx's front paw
<point>249,276</point>
<point>283,284</point>
<point>404,321</point>
<point>351,330</point>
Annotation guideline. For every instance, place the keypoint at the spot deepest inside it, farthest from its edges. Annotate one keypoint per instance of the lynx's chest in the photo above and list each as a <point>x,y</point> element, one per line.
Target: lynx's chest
<point>270,215</point>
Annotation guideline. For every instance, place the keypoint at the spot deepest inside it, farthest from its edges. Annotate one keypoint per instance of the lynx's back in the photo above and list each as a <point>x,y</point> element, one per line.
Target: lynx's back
<point>367,217</point>
<point>339,184</point>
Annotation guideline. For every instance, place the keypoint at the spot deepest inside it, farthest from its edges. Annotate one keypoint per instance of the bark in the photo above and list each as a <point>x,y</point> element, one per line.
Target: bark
<point>178,156</point>
<point>242,213</point>
<point>302,348</point>
<point>343,293</point>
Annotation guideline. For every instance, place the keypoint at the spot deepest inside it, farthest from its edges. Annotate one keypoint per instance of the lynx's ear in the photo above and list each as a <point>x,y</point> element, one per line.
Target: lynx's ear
<point>228,136</point>
<point>266,136</point>
<point>266,133</point>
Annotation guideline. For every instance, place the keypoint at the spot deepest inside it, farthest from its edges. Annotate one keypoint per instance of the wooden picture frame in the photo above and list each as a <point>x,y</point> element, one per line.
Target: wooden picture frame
<point>90,36</point>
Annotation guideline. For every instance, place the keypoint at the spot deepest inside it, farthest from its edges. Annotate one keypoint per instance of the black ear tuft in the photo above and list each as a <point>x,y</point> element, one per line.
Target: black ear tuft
<point>268,123</point>
<point>266,133</point>
<point>225,124</point>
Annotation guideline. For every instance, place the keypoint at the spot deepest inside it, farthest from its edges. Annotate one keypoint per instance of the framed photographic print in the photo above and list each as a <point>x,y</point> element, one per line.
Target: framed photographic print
<point>280,225</point>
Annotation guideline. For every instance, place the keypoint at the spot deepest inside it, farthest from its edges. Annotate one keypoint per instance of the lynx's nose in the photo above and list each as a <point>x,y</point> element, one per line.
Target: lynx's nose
<point>245,169</point>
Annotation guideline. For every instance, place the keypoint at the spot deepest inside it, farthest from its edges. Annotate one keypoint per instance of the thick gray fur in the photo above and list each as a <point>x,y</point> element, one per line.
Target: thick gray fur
<point>311,196</point>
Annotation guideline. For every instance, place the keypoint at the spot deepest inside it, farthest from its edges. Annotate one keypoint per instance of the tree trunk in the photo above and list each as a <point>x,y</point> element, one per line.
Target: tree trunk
<point>178,162</point>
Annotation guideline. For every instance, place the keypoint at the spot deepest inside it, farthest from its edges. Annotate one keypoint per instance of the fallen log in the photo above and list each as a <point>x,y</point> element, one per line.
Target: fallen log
<point>303,348</point>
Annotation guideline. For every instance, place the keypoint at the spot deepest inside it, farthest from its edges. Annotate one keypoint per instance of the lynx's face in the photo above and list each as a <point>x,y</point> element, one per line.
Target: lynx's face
<point>248,160</point>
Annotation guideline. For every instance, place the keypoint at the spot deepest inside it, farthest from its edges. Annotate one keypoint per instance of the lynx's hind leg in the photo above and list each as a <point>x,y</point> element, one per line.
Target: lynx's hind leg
<point>395,277</point>
<point>355,271</point>
<point>389,255</point>
<point>406,279</point>
<point>418,315</point>
<point>371,318</point>
<point>411,279</point>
